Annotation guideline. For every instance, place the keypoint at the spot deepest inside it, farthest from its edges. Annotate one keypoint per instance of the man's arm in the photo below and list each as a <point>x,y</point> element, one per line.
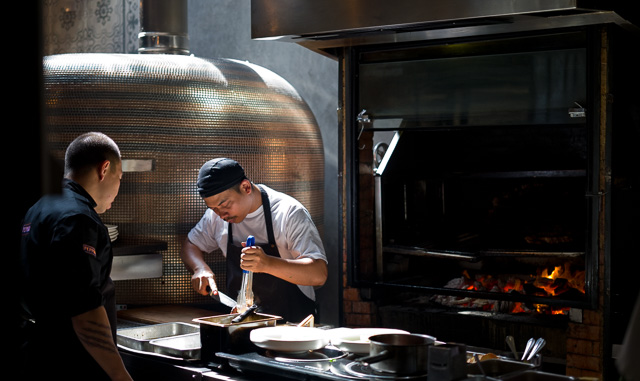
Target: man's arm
<point>193,259</point>
<point>301,271</point>
<point>94,331</point>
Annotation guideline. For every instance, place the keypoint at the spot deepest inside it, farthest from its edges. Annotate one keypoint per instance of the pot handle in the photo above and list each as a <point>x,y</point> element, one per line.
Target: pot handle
<point>374,358</point>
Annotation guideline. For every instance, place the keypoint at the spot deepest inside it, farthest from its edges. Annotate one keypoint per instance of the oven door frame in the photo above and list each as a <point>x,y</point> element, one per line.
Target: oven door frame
<point>599,185</point>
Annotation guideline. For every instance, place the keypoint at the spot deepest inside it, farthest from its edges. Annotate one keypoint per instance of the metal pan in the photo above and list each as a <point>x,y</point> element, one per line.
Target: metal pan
<point>401,354</point>
<point>220,334</point>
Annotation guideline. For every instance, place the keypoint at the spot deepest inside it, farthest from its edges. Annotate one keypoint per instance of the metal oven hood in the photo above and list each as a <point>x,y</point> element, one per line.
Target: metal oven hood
<point>325,25</point>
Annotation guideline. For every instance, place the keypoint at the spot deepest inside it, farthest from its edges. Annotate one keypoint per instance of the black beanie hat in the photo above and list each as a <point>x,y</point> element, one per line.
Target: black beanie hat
<point>218,175</point>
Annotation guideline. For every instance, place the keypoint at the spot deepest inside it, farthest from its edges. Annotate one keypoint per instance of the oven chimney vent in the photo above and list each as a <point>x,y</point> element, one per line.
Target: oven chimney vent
<point>163,27</point>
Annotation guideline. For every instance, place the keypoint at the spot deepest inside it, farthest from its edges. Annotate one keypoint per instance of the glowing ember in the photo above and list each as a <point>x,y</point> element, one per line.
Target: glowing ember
<point>560,280</point>
<point>547,284</point>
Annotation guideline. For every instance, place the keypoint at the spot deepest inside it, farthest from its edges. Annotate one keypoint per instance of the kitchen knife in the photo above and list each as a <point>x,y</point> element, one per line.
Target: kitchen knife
<point>221,298</point>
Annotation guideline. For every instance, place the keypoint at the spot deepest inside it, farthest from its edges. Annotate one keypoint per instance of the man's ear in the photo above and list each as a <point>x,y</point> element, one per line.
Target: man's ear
<point>103,169</point>
<point>245,185</point>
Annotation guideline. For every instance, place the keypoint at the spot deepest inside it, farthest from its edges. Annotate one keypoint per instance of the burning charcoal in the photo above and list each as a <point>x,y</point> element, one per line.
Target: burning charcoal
<point>560,285</point>
<point>531,289</point>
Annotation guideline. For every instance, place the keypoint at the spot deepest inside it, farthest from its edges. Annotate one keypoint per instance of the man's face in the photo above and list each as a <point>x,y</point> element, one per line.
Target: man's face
<point>231,205</point>
<point>110,187</point>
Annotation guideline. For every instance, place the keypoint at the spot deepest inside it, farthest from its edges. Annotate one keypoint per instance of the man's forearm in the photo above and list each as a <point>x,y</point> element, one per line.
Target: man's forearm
<point>192,257</point>
<point>94,331</point>
<point>304,271</point>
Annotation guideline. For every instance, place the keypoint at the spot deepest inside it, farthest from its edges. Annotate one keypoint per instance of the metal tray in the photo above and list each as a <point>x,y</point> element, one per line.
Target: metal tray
<point>498,367</point>
<point>183,346</point>
<point>534,375</point>
<point>139,338</point>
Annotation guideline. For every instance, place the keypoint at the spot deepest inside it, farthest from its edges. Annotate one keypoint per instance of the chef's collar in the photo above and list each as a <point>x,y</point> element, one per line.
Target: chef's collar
<point>77,188</point>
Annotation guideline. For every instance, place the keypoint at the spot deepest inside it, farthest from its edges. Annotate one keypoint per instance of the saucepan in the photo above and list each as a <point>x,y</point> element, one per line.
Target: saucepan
<point>401,354</point>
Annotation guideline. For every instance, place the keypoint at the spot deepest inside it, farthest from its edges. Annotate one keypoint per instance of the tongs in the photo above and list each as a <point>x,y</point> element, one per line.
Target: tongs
<point>245,297</point>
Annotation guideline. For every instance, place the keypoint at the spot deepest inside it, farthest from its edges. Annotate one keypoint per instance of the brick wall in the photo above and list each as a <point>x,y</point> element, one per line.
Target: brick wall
<point>358,313</point>
<point>584,346</point>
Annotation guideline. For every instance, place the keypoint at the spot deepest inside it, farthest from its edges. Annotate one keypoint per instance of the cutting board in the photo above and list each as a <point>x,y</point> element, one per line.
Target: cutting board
<point>164,314</point>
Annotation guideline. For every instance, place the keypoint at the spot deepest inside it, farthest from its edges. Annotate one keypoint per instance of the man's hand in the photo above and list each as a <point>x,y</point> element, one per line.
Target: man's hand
<point>202,278</point>
<point>254,259</point>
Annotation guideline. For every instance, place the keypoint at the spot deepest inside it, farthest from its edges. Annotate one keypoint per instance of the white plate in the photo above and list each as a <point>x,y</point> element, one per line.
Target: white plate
<point>356,340</point>
<point>289,338</point>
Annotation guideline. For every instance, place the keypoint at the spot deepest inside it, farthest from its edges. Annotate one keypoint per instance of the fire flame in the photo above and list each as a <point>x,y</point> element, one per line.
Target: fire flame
<point>553,283</point>
<point>545,283</point>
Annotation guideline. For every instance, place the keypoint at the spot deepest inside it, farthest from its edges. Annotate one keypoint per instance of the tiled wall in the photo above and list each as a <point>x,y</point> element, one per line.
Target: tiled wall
<point>90,26</point>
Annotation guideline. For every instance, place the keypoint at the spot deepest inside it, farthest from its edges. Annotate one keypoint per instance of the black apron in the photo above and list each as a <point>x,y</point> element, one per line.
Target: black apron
<point>272,295</point>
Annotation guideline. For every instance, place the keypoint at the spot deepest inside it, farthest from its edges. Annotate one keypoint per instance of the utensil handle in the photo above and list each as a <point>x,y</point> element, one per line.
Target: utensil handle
<point>243,315</point>
<point>375,358</point>
<point>527,348</point>
<point>215,297</point>
<point>512,345</point>
<point>536,348</point>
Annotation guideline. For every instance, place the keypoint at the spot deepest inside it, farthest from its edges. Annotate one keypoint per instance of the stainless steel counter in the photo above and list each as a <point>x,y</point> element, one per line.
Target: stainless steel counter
<point>144,368</point>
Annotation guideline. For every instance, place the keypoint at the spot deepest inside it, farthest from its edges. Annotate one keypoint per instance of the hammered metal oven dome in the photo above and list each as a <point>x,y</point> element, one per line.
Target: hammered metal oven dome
<point>178,112</point>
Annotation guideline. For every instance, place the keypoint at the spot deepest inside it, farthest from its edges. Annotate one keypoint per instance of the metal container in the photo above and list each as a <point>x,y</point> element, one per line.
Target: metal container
<point>183,346</point>
<point>447,362</point>
<point>221,334</point>
<point>535,375</point>
<point>498,367</point>
<point>399,354</point>
<point>139,338</point>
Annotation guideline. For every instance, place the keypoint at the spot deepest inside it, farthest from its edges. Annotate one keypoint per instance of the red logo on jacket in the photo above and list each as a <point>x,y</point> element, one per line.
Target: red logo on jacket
<point>89,249</point>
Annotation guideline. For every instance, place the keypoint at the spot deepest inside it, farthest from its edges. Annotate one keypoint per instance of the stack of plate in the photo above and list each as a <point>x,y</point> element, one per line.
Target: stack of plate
<point>113,232</point>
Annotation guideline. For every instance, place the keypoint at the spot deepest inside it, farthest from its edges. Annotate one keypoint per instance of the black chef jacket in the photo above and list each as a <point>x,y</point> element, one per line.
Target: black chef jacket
<point>66,260</point>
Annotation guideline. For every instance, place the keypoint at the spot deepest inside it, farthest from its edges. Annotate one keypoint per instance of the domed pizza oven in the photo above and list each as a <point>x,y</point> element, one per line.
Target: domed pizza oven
<point>170,114</point>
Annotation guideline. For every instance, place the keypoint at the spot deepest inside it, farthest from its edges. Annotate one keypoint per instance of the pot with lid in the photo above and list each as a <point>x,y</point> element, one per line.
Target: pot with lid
<point>401,354</point>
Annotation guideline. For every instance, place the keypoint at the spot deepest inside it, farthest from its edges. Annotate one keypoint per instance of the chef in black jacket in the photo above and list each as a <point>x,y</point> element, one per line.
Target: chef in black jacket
<point>67,294</point>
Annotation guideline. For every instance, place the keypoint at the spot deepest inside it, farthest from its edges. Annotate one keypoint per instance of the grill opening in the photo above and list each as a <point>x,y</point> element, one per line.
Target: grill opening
<point>475,159</point>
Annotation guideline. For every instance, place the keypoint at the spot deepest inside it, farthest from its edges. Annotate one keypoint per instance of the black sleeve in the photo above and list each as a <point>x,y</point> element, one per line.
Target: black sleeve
<point>77,269</point>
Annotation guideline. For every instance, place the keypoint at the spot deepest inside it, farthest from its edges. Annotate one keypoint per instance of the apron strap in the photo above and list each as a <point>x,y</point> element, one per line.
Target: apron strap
<point>266,208</point>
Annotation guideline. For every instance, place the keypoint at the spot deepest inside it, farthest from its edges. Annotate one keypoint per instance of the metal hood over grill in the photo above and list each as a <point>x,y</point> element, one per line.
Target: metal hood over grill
<point>324,25</point>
